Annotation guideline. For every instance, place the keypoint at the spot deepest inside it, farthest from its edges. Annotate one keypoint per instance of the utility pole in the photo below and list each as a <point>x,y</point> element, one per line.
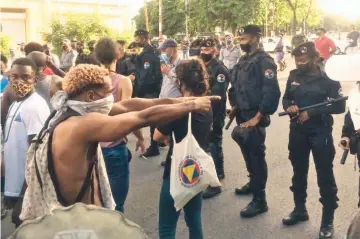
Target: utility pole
<point>160,18</point>
<point>186,19</point>
<point>146,16</point>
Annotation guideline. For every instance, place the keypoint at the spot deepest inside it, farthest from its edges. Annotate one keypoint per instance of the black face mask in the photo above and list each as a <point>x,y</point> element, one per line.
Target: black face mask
<point>245,47</point>
<point>206,57</point>
<point>304,68</point>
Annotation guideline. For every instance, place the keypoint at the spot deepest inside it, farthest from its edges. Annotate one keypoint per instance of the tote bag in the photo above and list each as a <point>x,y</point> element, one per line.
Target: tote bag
<point>192,170</point>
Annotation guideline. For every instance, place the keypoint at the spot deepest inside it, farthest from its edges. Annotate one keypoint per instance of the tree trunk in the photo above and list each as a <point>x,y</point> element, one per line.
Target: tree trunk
<point>295,23</point>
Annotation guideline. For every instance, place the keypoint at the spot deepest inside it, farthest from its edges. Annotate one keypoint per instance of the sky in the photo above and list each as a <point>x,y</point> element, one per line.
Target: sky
<point>134,6</point>
<point>347,8</point>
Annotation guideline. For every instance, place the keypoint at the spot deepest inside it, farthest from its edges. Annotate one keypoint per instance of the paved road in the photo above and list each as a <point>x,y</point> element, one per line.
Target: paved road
<point>221,217</point>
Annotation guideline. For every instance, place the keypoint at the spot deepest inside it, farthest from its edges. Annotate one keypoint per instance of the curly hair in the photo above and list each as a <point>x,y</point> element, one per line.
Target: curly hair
<point>33,46</point>
<point>193,75</point>
<point>106,51</point>
<point>83,77</point>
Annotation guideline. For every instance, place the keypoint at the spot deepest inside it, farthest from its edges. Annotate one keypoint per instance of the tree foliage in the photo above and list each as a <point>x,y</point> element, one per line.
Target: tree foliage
<point>205,15</point>
<point>80,27</point>
<point>4,45</point>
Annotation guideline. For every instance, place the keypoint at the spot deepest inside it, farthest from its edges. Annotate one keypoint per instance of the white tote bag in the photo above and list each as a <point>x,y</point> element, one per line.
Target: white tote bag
<point>192,170</point>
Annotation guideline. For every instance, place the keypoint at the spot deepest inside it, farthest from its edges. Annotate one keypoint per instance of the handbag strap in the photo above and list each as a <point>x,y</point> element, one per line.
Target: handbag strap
<point>189,125</point>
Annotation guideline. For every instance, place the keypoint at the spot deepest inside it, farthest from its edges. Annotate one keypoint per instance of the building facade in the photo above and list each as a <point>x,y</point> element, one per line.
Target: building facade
<point>27,20</point>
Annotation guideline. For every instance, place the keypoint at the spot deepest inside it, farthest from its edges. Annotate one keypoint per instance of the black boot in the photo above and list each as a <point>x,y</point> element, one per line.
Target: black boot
<point>327,224</point>
<point>299,214</point>
<point>257,206</point>
<point>244,190</point>
<point>151,152</point>
<point>211,192</point>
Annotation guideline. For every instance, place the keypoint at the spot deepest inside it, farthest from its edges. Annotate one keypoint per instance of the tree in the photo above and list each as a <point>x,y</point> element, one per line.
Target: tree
<point>302,10</point>
<point>5,45</point>
<point>81,27</point>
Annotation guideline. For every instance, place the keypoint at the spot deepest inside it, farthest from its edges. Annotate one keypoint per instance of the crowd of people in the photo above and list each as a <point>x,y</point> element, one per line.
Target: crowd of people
<point>90,103</point>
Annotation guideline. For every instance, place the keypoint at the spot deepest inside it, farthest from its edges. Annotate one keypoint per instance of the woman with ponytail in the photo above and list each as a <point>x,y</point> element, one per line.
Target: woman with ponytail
<point>192,81</point>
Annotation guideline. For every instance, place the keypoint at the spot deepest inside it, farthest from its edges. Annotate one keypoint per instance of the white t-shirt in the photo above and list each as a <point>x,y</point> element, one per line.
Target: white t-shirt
<point>24,118</point>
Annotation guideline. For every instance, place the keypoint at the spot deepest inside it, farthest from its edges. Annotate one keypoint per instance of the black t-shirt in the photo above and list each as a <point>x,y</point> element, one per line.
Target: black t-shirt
<point>354,36</point>
<point>200,124</point>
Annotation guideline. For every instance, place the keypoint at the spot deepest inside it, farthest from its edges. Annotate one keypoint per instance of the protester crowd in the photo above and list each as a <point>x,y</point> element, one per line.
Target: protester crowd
<point>65,121</point>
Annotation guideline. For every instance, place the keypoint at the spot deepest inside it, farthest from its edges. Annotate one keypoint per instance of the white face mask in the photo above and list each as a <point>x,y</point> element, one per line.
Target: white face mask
<point>102,106</point>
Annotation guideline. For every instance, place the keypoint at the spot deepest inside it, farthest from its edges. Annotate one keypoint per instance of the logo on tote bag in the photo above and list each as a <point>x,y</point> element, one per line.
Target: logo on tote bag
<point>189,171</point>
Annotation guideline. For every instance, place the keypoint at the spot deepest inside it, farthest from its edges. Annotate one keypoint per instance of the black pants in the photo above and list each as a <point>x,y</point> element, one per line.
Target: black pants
<point>154,95</point>
<point>302,140</point>
<point>252,145</point>
<point>215,138</point>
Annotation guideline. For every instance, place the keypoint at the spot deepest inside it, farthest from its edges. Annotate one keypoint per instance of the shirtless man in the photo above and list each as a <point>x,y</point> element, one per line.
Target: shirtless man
<point>87,101</point>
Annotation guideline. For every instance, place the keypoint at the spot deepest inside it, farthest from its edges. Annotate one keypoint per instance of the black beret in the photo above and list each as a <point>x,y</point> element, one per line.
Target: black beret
<point>132,45</point>
<point>306,48</point>
<point>141,33</point>
<point>251,30</point>
<point>210,42</point>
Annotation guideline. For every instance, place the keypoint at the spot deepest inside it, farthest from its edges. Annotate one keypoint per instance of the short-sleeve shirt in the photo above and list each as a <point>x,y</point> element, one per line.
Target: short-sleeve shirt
<point>25,118</point>
<point>354,37</point>
<point>200,124</point>
<point>324,46</point>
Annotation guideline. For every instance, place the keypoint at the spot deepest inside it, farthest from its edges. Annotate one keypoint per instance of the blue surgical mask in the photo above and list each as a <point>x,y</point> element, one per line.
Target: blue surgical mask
<point>166,58</point>
<point>228,42</point>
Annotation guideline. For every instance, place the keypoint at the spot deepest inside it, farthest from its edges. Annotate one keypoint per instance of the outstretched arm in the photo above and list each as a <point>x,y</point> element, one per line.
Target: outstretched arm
<point>96,127</point>
<point>138,104</point>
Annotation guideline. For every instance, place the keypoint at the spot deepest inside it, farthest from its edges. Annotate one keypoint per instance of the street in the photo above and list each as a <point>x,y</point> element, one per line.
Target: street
<point>220,215</point>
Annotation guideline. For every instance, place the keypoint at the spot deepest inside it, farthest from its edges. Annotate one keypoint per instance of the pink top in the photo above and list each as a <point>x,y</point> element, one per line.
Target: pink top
<point>115,83</point>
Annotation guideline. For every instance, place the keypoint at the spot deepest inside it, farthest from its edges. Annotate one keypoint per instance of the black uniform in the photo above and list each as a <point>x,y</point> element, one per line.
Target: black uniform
<point>148,73</point>
<point>254,89</point>
<point>349,131</point>
<point>126,65</point>
<point>219,82</point>
<point>313,135</point>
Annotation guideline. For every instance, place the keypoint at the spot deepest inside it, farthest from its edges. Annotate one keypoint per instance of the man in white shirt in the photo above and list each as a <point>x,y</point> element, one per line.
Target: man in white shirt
<point>25,119</point>
<point>230,54</point>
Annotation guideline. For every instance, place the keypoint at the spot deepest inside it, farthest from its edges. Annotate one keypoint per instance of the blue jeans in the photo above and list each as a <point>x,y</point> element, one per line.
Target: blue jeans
<point>117,167</point>
<point>168,216</point>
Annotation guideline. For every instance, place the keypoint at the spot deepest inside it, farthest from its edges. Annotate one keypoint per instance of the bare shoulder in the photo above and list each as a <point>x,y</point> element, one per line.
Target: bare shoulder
<point>125,80</point>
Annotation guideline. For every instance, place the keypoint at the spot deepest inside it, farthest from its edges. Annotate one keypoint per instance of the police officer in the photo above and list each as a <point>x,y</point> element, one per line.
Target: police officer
<point>311,130</point>
<point>254,96</point>
<point>194,50</point>
<point>351,128</point>
<point>219,81</point>
<point>148,78</point>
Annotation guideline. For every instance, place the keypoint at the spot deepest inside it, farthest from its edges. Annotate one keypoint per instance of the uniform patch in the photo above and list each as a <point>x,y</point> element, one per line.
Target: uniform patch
<point>303,49</point>
<point>189,172</point>
<point>295,83</point>
<point>340,92</point>
<point>220,78</point>
<point>146,65</point>
<point>269,74</point>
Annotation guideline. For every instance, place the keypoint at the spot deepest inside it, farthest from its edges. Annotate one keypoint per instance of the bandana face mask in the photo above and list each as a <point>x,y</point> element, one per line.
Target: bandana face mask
<point>20,88</point>
<point>102,106</point>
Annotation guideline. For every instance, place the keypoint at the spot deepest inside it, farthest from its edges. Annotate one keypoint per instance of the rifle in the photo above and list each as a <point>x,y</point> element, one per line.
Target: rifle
<point>325,103</point>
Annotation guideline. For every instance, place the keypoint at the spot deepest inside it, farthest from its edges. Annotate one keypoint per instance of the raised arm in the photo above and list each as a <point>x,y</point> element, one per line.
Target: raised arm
<point>109,128</point>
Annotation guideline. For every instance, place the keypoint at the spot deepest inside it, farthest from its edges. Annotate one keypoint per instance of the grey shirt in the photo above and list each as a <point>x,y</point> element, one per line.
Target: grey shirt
<point>169,87</point>
<point>42,87</point>
<point>68,59</point>
<point>230,56</point>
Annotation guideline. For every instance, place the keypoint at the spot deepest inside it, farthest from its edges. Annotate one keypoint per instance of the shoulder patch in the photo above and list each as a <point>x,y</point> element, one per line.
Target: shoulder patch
<point>221,78</point>
<point>269,74</point>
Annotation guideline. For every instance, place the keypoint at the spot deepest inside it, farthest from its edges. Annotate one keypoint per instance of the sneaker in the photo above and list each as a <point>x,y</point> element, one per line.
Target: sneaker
<point>151,152</point>
<point>297,215</point>
<point>254,208</point>
<point>244,190</point>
